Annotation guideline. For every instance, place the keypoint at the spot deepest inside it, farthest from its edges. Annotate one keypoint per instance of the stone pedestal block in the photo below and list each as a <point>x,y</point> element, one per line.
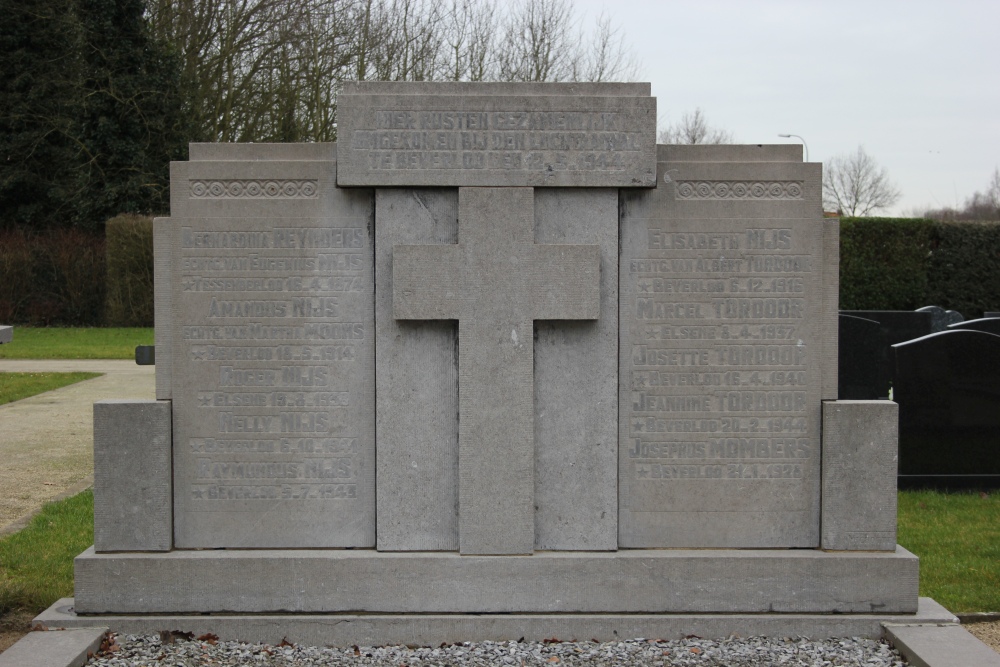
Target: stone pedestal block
<point>132,492</point>
<point>860,445</point>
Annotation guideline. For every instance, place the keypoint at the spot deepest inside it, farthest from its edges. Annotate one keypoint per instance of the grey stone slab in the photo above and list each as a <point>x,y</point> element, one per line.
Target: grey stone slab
<point>473,88</point>
<point>132,480</point>
<point>273,357</point>
<point>635,581</point>
<point>725,356</point>
<point>860,457</point>
<point>417,386</point>
<point>940,646</point>
<point>59,648</point>
<point>163,296</point>
<point>242,152</point>
<point>6,334</point>
<point>829,339</point>
<point>523,134</point>
<point>576,387</point>
<point>435,629</point>
<point>728,153</point>
<point>493,280</point>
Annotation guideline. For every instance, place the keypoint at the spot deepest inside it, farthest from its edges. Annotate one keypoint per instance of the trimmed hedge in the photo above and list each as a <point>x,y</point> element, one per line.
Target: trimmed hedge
<point>53,277</point>
<point>963,273</point>
<point>883,263</point>
<point>129,301</point>
<point>906,263</point>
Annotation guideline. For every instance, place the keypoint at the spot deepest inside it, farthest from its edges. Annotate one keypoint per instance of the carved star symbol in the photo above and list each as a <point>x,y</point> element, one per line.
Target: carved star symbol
<point>189,284</point>
<point>651,334</point>
<point>204,400</point>
<point>198,493</point>
<point>642,471</point>
<point>640,380</point>
<point>198,353</point>
<point>637,426</point>
<point>196,446</point>
<point>643,287</point>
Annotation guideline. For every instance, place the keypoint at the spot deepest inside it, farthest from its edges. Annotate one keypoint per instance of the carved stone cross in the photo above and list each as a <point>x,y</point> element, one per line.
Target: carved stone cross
<point>496,282</point>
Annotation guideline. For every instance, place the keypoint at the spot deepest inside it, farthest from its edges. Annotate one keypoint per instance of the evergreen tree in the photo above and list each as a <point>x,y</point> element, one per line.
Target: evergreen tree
<point>132,122</point>
<point>39,111</point>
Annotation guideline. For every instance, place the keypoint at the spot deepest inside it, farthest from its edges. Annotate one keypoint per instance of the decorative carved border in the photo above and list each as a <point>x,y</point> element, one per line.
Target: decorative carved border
<point>252,188</point>
<point>739,190</point>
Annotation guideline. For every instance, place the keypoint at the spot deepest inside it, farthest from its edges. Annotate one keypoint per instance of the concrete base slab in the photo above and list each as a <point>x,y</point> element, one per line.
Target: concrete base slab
<point>67,648</point>
<point>434,629</point>
<point>940,646</point>
<point>722,581</point>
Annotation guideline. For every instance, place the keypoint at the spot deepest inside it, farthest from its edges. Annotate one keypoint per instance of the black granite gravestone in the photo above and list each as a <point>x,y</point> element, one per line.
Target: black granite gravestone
<point>861,362</point>
<point>987,324</point>
<point>941,318</point>
<point>948,389</point>
<point>897,326</point>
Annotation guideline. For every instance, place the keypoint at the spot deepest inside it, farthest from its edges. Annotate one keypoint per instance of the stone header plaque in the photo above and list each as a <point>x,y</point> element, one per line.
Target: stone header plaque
<point>587,135</point>
<point>273,358</point>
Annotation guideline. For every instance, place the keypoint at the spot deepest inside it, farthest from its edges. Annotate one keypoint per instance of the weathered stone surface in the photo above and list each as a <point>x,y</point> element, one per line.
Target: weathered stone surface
<point>575,407</point>
<point>860,446</point>
<point>494,280</point>
<point>940,646</point>
<point>163,257</point>
<point>576,388</point>
<point>512,134</point>
<point>728,345</point>
<point>273,356</point>
<point>6,334</point>
<point>417,386</point>
<point>69,648</point>
<point>639,581</point>
<point>132,482</point>
<point>435,629</point>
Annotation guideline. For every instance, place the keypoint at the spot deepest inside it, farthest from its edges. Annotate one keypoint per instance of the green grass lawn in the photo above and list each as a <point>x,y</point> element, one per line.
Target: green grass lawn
<point>957,537</point>
<point>15,386</point>
<point>70,343</point>
<point>36,563</point>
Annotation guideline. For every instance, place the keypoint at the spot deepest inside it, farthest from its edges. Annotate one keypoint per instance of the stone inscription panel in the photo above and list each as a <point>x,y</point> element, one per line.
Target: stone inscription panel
<point>720,382</point>
<point>273,381</point>
<point>499,140</point>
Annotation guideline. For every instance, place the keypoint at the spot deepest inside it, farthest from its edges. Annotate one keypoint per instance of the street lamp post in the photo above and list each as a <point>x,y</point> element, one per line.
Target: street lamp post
<point>804,144</point>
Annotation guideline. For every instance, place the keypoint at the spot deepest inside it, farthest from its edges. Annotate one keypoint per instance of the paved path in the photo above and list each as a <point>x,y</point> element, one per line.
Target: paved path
<point>47,441</point>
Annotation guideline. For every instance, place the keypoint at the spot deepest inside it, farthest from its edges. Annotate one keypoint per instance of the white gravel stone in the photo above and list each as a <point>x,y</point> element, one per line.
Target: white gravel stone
<point>149,650</point>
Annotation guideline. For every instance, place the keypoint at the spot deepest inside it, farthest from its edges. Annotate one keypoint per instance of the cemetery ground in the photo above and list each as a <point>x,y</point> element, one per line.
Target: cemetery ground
<point>956,536</point>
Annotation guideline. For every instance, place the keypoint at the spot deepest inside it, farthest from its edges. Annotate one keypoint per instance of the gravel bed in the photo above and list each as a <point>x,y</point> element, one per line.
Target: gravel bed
<point>134,651</point>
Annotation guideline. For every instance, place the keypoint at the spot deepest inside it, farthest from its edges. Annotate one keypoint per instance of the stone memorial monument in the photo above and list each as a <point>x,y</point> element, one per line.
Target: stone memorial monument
<point>495,366</point>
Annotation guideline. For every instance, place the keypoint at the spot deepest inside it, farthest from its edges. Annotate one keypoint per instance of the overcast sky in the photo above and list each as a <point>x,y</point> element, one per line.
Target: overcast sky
<point>917,83</point>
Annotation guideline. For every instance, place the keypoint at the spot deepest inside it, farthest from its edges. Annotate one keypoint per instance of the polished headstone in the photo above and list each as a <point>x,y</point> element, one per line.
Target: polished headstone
<point>947,386</point>
<point>728,280</point>
<point>986,324</point>
<point>496,134</point>
<point>941,318</point>
<point>272,368</point>
<point>496,280</point>
<point>897,326</point>
<point>861,359</point>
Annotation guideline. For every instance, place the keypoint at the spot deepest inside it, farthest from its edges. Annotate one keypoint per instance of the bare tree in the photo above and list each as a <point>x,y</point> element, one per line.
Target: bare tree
<point>980,206</point>
<point>693,128</point>
<point>854,185</point>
